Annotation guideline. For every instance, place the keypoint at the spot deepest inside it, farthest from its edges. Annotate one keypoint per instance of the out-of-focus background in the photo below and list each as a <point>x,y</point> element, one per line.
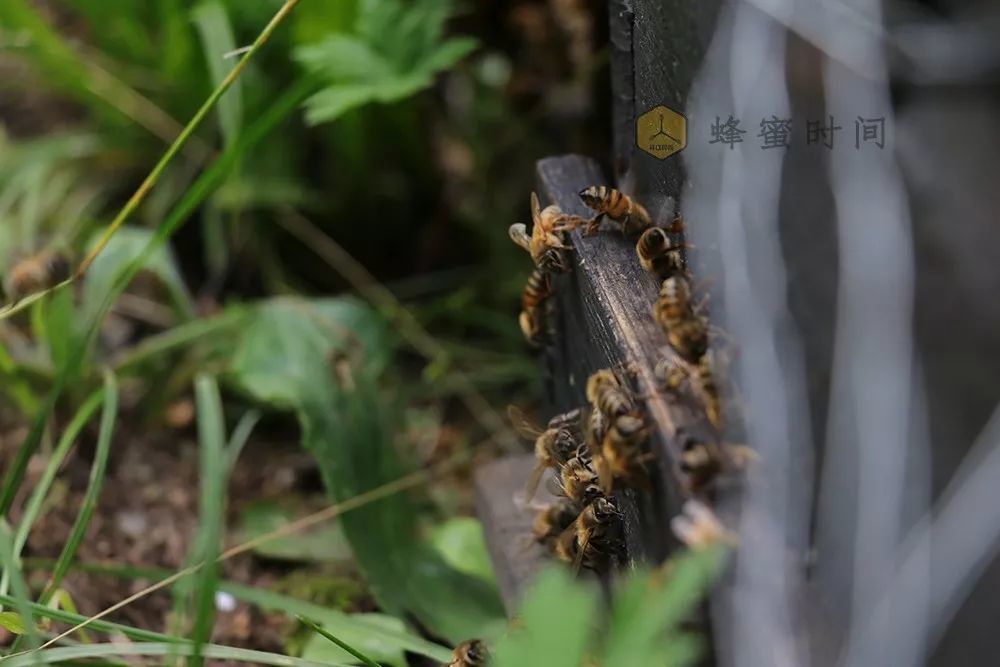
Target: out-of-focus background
<point>333,308</point>
<point>400,134</point>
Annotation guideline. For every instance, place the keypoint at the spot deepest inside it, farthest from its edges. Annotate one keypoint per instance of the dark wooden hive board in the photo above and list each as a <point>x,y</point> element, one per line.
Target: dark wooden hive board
<point>603,312</point>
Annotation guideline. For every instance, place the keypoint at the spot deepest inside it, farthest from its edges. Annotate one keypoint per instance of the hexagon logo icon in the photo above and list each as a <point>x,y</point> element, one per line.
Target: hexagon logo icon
<point>661,132</point>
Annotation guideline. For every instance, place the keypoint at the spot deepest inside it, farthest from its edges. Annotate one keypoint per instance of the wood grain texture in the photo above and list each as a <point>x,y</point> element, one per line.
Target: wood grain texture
<point>669,41</point>
<point>604,320</point>
<point>507,526</point>
<point>620,18</point>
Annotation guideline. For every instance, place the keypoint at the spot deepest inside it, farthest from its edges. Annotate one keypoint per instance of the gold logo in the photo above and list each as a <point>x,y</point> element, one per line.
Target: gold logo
<point>661,132</point>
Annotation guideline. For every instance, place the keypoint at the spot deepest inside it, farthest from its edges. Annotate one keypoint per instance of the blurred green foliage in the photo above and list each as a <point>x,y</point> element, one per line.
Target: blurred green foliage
<point>345,118</point>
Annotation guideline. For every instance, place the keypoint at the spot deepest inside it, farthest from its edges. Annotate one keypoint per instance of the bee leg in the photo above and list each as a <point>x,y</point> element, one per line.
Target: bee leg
<point>593,224</point>
<point>567,223</point>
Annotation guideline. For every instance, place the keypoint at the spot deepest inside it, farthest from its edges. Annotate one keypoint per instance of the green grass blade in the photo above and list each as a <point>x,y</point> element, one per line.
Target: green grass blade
<point>68,653</point>
<point>240,436</point>
<point>193,198</point>
<point>266,600</point>
<point>21,601</point>
<point>216,32</point>
<point>98,472</point>
<point>189,129</point>
<point>63,616</point>
<point>344,645</point>
<point>213,468</point>
<point>38,495</point>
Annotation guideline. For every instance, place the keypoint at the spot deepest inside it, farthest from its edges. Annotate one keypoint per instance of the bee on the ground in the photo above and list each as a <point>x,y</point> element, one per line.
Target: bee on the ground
<point>471,653</point>
<point>658,255</point>
<point>704,461</point>
<point>553,520</point>
<point>32,274</point>
<point>578,482</point>
<point>534,299</point>
<point>621,456</point>
<point>687,331</point>
<point>617,206</point>
<point>554,446</point>
<point>546,243</point>
<point>606,393</point>
<point>593,538</point>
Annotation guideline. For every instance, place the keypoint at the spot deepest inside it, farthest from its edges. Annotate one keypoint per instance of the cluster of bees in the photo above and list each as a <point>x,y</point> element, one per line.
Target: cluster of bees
<point>601,448</point>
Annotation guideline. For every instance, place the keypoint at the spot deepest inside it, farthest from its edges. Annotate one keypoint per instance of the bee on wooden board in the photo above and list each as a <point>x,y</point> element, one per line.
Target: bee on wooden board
<point>534,298</point>
<point>551,521</point>
<point>705,461</point>
<point>671,375</point>
<point>554,446</point>
<point>38,272</point>
<point>471,653</point>
<point>659,255</point>
<point>546,243</point>
<point>578,482</point>
<point>686,330</point>
<point>615,205</point>
<point>698,527</point>
<point>622,456</point>
<point>593,538</point>
<point>606,393</point>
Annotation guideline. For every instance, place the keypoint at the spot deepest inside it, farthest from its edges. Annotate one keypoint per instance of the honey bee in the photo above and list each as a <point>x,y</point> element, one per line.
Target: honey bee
<point>471,653</point>
<point>621,457</point>
<point>707,390</point>
<point>546,243</point>
<point>578,481</point>
<point>606,393</point>
<point>671,375</point>
<point>38,272</point>
<point>658,255</point>
<point>704,462</point>
<point>592,538</point>
<point>698,527</point>
<point>687,332</point>
<point>553,520</point>
<point>617,206</point>
<point>554,446</point>
<point>533,317</point>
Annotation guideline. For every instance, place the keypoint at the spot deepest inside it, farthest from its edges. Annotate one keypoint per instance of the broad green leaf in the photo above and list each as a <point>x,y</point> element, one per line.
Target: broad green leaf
<point>648,608</point>
<point>335,100</point>
<point>321,649</point>
<point>321,544</point>
<point>447,54</point>
<point>344,58</point>
<point>217,40</point>
<point>289,358</point>
<point>124,247</point>
<point>557,618</point>
<point>12,622</point>
<point>462,546</point>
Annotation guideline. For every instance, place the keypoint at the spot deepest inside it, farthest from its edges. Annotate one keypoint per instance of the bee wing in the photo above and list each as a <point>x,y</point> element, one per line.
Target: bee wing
<point>534,480</point>
<point>519,234</point>
<point>524,426</point>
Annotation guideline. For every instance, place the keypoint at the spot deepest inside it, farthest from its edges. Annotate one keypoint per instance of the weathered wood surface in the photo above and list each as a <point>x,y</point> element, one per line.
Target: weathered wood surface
<point>516,558</point>
<point>604,305</point>
<point>603,319</point>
